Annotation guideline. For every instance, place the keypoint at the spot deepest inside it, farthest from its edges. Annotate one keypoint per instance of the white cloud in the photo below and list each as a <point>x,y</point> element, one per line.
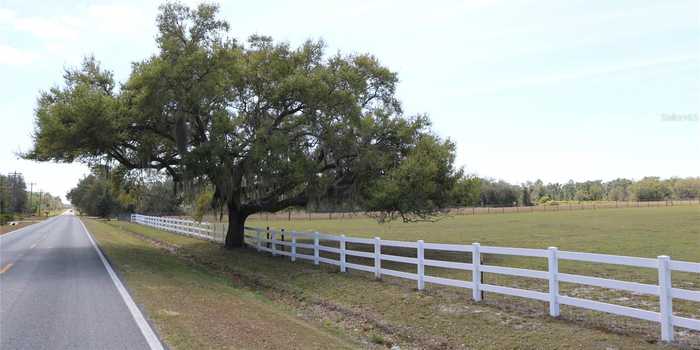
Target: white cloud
<point>13,56</point>
<point>6,15</point>
<point>118,19</point>
<point>93,20</point>
<point>585,73</point>
<point>66,38</point>
<point>61,28</point>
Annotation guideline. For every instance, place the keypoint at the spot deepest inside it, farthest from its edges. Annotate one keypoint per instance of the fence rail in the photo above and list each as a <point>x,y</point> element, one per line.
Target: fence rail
<point>274,240</point>
<point>188,227</point>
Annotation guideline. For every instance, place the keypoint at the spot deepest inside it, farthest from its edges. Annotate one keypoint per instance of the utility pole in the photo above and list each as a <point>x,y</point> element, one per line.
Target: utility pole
<point>41,195</point>
<point>2,195</point>
<point>31,193</point>
<point>13,178</point>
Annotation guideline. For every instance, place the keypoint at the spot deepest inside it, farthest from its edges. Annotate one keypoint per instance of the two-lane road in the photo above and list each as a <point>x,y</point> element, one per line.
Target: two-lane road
<point>58,292</point>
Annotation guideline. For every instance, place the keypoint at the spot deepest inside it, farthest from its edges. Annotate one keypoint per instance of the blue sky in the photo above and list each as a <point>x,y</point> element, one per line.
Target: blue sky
<point>554,90</point>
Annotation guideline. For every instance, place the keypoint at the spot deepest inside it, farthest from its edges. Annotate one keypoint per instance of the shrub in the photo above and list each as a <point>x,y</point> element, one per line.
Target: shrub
<point>6,217</point>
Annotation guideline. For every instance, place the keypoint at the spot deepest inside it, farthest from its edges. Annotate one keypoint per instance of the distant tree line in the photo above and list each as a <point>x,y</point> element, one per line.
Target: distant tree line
<point>104,193</point>
<point>501,193</point>
<point>16,200</point>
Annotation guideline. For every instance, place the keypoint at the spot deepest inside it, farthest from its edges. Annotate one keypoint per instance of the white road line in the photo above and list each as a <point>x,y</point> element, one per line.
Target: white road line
<point>151,338</point>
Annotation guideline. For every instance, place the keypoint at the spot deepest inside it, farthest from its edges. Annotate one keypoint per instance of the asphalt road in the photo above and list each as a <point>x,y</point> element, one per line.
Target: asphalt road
<point>57,292</point>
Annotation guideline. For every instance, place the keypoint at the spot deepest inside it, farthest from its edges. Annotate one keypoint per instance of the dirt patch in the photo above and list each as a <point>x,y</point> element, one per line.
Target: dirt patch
<point>9,228</point>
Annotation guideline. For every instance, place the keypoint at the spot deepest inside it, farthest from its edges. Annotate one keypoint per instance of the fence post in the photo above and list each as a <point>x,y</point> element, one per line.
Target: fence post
<point>272,243</point>
<point>257,239</point>
<point>282,239</point>
<point>342,253</point>
<point>476,272</point>
<point>421,265</point>
<point>377,258</point>
<point>553,263</point>
<point>316,248</point>
<point>294,246</point>
<point>665,298</point>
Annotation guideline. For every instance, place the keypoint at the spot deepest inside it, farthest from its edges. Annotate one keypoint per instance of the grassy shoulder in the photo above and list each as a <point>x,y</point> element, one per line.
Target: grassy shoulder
<point>195,308</point>
<point>392,312</point>
<point>24,222</point>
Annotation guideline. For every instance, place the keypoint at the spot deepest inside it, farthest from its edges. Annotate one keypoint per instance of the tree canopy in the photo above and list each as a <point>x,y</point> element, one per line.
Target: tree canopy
<point>268,125</point>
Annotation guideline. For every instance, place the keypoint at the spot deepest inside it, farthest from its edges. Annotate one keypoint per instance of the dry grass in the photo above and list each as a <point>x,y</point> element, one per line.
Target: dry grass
<point>193,308</point>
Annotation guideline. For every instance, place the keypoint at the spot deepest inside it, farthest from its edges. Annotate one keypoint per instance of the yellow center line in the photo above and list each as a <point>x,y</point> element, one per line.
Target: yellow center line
<point>4,269</point>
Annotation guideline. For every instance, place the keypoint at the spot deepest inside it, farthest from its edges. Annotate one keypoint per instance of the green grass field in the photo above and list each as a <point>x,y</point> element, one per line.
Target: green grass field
<point>641,232</point>
<point>391,311</point>
<point>645,232</point>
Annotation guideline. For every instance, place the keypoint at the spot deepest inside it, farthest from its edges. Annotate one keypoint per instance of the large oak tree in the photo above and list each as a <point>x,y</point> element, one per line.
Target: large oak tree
<point>268,125</point>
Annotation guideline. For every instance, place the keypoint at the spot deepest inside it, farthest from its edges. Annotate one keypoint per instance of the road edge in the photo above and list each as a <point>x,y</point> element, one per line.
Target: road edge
<point>146,330</point>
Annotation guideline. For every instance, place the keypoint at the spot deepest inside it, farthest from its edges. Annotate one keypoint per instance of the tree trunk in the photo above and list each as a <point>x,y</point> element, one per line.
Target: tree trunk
<point>236,224</point>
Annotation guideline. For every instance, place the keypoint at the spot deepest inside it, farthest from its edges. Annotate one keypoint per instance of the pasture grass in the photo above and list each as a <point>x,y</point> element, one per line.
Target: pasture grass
<point>645,232</point>
<point>444,318</point>
<point>640,232</point>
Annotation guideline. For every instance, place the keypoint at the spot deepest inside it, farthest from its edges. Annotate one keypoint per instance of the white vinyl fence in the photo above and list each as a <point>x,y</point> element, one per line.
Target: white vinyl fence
<point>188,227</point>
<point>663,264</point>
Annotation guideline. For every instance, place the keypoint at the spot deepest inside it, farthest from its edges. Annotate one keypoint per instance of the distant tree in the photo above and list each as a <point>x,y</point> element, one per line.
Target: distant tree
<point>688,188</point>
<point>537,190</point>
<point>268,125</point>
<point>94,196</point>
<point>5,200</point>
<point>526,200</point>
<point>569,191</point>
<point>159,198</point>
<point>17,189</point>
<point>650,188</point>
<point>554,191</point>
<point>596,190</point>
<point>467,191</point>
<point>499,193</point>
<point>589,191</point>
<point>581,195</point>
<point>618,189</point>
<point>143,192</point>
